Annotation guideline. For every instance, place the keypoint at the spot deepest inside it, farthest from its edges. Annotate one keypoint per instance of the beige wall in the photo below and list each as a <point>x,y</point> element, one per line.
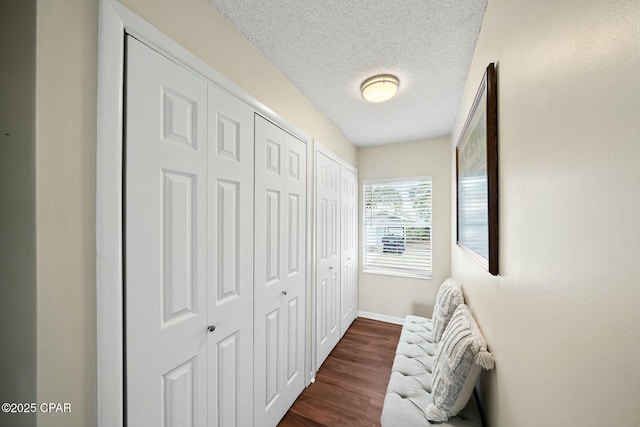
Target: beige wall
<point>399,296</point>
<point>562,318</point>
<point>18,207</point>
<point>66,79</point>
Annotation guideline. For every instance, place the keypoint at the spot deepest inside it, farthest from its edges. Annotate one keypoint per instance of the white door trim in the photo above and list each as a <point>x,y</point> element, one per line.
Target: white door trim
<point>114,20</point>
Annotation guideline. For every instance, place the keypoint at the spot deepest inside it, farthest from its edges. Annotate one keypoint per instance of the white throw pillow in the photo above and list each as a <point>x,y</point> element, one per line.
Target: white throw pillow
<point>448,299</point>
<point>459,358</point>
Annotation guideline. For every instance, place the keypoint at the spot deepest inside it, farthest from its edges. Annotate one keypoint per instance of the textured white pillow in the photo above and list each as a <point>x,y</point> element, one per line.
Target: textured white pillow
<point>448,299</point>
<point>459,357</point>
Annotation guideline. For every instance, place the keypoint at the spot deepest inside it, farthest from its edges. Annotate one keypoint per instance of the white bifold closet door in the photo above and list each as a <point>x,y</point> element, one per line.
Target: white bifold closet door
<point>280,271</point>
<point>348,248</point>
<point>327,256</point>
<point>188,248</point>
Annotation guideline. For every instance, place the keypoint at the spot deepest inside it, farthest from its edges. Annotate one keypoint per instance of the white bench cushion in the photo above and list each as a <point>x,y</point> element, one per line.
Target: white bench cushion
<point>409,390</point>
<point>408,411</point>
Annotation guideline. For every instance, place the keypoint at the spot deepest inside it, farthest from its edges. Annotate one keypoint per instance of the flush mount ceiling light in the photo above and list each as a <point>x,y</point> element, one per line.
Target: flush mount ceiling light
<point>379,88</point>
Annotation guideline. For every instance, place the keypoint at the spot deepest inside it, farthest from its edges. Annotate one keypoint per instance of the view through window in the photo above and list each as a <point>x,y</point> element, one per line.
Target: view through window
<point>397,227</point>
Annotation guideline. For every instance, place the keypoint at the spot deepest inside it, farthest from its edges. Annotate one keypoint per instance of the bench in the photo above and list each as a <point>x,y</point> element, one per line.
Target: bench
<point>410,393</point>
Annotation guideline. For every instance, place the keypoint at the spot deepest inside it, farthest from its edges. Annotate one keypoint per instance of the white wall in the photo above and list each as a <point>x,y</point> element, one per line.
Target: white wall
<point>399,296</point>
<point>562,318</point>
<point>17,208</point>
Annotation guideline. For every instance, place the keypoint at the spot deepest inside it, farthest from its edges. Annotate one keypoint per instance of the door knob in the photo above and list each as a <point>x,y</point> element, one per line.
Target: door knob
<point>211,328</point>
<point>284,292</point>
<point>330,268</point>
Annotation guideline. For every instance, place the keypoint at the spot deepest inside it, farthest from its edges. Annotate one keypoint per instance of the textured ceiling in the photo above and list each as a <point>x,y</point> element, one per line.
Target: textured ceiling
<point>327,48</point>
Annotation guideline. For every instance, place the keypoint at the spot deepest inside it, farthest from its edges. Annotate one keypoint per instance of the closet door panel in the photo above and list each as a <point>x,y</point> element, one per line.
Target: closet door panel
<point>165,242</point>
<point>348,237</point>
<point>270,271</point>
<point>294,311</point>
<point>327,256</point>
<point>230,259</point>
<point>280,271</point>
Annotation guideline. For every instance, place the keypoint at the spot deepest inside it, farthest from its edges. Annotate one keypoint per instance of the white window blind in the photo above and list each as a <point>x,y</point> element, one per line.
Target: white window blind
<point>397,227</point>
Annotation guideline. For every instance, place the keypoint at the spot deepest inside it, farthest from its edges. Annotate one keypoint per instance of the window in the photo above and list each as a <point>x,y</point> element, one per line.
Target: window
<point>397,227</point>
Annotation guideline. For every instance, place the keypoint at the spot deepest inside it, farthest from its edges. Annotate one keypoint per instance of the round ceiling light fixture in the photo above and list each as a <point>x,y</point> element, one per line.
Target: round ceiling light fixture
<point>379,88</point>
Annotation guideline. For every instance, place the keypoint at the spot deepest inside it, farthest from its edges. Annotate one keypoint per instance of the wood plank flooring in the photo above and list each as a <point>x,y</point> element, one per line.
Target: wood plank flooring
<point>351,384</point>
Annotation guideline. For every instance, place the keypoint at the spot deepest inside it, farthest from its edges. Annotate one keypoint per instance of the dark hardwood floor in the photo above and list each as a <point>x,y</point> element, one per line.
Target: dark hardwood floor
<point>351,384</point>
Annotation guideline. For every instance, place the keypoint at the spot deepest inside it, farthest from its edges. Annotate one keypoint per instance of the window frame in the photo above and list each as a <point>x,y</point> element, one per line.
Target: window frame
<point>389,272</point>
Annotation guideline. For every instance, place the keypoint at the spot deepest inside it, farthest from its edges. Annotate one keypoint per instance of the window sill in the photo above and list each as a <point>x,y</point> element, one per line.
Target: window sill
<point>398,274</point>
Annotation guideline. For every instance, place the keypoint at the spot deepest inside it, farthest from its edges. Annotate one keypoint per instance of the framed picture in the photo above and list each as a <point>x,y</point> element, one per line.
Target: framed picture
<point>477,177</point>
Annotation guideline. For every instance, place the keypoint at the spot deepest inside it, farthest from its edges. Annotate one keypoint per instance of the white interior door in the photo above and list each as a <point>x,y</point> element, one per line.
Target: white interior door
<point>280,271</point>
<point>188,253</point>
<point>166,242</point>
<point>230,260</point>
<point>348,245</point>
<point>327,256</point>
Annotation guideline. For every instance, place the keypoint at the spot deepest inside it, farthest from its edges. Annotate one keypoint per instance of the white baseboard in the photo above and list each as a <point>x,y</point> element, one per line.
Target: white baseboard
<point>381,317</point>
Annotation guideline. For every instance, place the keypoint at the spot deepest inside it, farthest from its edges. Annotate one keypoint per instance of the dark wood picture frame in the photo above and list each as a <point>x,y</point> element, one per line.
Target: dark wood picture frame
<point>477,177</point>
